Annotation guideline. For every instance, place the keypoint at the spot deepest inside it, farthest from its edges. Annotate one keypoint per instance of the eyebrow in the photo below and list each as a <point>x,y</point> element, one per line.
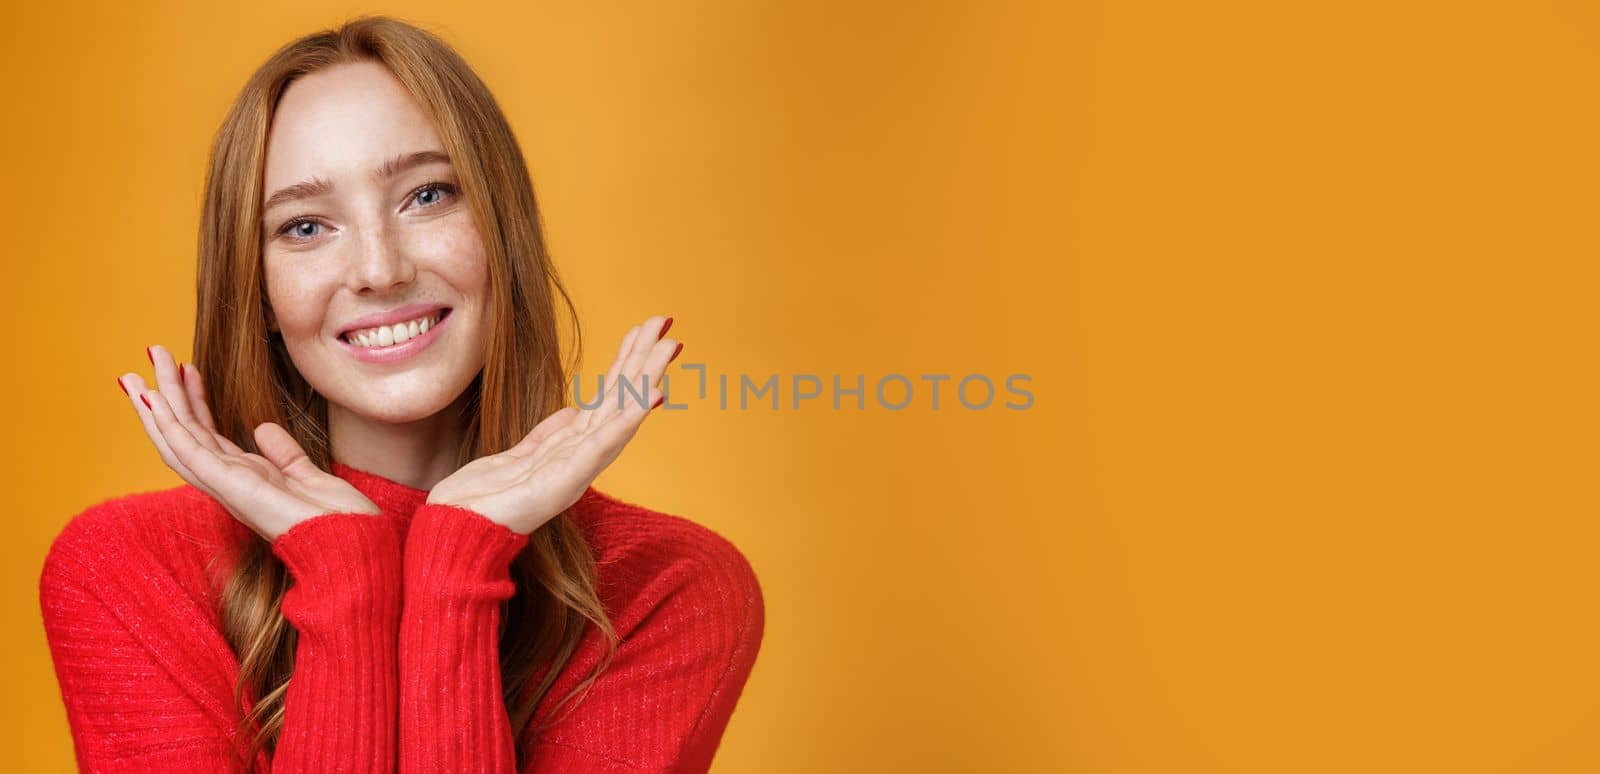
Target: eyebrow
<point>315,187</point>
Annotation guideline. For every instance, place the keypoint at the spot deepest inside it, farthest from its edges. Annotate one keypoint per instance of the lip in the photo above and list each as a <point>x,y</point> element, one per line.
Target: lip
<point>407,312</point>
<point>395,353</point>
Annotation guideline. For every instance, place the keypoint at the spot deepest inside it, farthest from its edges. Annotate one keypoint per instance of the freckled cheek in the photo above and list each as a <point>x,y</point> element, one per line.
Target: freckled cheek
<point>299,300</point>
<point>452,248</point>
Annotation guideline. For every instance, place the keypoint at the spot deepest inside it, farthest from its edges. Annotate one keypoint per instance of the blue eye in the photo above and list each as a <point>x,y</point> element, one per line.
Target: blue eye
<point>300,229</point>
<point>432,193</point>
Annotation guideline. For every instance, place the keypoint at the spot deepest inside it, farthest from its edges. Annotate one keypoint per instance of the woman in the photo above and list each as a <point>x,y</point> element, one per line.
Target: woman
<point>388,553</point>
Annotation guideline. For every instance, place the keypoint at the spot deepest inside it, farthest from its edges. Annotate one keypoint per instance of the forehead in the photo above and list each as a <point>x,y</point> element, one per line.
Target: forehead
<point>341,123</point>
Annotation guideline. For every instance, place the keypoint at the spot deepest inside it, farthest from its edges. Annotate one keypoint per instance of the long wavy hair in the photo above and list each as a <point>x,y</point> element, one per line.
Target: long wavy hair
<point>252,380</point>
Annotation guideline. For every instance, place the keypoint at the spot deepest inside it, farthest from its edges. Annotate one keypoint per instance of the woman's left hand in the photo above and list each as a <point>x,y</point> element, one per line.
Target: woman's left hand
<point>548,470</point>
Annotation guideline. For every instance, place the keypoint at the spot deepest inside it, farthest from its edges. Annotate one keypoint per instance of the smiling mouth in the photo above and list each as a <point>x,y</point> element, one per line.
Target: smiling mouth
<point>393,335</point>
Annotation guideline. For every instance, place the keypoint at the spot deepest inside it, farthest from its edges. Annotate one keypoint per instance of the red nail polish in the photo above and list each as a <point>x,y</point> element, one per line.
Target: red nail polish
<point>664,327</point>
<point>675,352</point>
<point>122,386</point>
<point>146,401</point>
<point>658,401</point>
<point>149,355</point>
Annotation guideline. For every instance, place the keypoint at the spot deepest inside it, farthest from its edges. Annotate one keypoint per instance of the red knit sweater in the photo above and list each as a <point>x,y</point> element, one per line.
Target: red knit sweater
<point>397,660</point>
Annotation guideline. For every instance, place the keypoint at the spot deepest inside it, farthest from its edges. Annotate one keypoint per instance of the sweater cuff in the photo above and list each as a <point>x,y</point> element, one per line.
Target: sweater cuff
<point>457,554</point>
<point>350,557</point>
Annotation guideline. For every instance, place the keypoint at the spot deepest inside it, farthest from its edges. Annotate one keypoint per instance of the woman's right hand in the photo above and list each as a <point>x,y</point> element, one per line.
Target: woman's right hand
<point>269,492</point>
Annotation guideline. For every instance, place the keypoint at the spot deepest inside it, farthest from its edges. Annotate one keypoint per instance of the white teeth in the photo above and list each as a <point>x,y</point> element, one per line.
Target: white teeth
<point>390,335</point>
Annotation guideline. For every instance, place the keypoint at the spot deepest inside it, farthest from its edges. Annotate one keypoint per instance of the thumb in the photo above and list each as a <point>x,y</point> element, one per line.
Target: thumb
<point>282,450</point>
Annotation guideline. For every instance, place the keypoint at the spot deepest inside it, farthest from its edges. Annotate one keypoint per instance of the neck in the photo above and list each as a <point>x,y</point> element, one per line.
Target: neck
<point>417,454</point>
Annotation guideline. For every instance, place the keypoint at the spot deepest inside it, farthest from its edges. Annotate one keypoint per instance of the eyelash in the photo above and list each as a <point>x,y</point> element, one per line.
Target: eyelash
<point>286,228</point>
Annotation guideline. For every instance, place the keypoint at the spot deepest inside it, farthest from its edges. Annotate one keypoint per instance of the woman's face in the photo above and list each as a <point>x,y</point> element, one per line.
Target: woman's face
<point>365,229</point>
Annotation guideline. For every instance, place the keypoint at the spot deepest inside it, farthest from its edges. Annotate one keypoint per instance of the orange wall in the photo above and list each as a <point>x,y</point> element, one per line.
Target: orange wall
<point>1306,293</point>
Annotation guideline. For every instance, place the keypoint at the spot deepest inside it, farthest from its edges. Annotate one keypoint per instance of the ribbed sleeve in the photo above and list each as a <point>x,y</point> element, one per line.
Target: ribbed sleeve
<point>457,573</point>
<point>127,708</point>
<point>129,595</point>
<point>345,606</point>
<point>398,620</point>
<point>688,610</point>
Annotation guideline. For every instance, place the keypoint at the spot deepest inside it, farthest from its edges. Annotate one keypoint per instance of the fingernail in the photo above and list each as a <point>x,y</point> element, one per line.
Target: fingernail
<point>675,352</point>
<point>149,355</point>
<point>664,327</point>
<point>180,372</point>
<point>146,401</point>
<point>124,387</point>
<point>659,400</point>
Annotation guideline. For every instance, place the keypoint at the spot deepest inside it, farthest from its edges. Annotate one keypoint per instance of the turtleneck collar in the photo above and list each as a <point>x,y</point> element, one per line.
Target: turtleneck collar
<point>390,496</point>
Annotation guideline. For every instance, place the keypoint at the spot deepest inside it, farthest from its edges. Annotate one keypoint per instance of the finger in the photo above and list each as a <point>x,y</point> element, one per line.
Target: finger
<point>637,347</point>
<point>622,354</point>
<point>169,381</point>
<point>234,484</point>
<point>281,449</point>
<point>650,376</point>
<point>629,372</point>
<point>603,441</point>
<point>641,376</point>
<point>135,386</point>
<point>196,389</point>
<point>643,346</point>
<point>208,469</point>
<point>642,343</point>
<point>608,383</point>
<point>655,368</point>
<point>656,326</point>
<point>543,430</point>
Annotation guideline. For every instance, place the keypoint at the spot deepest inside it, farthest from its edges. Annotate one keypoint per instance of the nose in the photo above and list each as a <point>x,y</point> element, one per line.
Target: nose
<point>380,263</point>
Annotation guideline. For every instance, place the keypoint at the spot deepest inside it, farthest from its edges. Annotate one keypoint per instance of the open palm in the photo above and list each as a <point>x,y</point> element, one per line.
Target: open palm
<point>548,470</point>
<point>269,492</point>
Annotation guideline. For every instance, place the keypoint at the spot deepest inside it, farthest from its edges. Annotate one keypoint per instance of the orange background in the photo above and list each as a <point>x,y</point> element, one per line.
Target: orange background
<point>1306,291</point>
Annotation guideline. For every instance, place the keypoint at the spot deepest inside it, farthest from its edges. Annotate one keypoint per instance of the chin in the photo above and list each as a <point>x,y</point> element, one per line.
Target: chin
<point>413,407</point>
